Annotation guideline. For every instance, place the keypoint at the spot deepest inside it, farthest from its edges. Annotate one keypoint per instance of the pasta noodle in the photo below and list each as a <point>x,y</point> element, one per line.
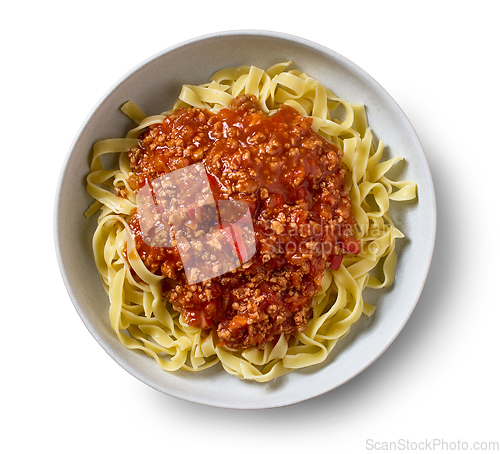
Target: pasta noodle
<point>140,315</point>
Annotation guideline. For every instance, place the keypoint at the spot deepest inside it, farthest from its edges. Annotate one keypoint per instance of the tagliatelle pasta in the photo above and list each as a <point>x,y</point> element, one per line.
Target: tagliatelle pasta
<point>140,314</point>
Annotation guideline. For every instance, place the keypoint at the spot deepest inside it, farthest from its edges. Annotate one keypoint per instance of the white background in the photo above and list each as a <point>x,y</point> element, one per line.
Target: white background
<point>61,392</point>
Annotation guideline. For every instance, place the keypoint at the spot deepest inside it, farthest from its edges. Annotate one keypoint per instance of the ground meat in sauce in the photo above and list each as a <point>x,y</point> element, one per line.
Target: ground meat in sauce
<point>293,183</point>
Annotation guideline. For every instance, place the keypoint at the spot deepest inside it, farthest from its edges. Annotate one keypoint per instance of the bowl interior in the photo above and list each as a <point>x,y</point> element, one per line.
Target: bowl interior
<point>154,85</point>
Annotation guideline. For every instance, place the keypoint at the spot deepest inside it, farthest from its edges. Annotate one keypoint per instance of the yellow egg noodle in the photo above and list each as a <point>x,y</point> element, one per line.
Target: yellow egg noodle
<point>144,320</point>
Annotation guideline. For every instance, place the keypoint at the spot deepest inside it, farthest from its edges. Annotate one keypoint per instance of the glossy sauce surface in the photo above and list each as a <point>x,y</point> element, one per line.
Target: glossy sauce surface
<point>293,183</point>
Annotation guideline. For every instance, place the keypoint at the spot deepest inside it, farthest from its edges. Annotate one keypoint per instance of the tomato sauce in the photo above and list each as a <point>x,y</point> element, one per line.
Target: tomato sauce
<point>291,179</point>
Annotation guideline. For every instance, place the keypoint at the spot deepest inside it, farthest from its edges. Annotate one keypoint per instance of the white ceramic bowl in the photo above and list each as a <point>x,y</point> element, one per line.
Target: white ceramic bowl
<point>154,85</point>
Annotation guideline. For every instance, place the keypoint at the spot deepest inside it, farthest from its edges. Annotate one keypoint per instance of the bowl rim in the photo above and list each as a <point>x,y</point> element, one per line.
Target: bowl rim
<point>57,213</point>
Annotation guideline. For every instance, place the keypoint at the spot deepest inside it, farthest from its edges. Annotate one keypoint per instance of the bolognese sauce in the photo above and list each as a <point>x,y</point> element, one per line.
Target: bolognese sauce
<point>292,181</point>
